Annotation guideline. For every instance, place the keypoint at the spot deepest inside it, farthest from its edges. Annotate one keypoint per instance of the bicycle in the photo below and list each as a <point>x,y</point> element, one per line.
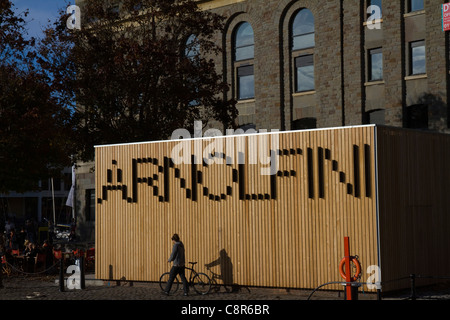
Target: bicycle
<point>200,281</point>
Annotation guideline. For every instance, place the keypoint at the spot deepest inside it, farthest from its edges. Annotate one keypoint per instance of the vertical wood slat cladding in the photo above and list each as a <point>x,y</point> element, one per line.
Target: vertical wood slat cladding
<point>414,202</point>
<point>284,230</point>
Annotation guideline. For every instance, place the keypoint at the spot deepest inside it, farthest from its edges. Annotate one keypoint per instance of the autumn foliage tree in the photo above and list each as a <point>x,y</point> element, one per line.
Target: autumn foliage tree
<point>138,72</point>
<point>34,128</point>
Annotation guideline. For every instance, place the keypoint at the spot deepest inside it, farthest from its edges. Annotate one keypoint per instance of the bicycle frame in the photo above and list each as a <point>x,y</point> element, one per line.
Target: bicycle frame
<point>191,275</point>
<point>201,286</point>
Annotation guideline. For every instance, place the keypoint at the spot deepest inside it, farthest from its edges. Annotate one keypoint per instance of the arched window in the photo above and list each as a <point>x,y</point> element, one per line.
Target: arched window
<point>244,42</point>
<point>192,47</point>
<point>303,30</point>
<point>192,51</point>
<point>303,42</point>
<point>244,52</point>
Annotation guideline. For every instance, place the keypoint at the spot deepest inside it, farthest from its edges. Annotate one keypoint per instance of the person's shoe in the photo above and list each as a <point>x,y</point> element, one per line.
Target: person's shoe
<point>185,294</point>
<point>166,293</point>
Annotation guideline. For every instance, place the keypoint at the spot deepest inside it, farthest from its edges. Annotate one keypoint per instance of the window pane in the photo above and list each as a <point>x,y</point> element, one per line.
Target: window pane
<point>304,41</point>
<point>303,23</point>
<point>244,42</point>
<point>246,87</point>
<point>90,205</point>
<point>245,53</point>
<point>192,47</point>
<point>418,60</point>
<point>303,30</point>
<point>305,78</point>
<point>416,5</point>
<point>376,66</point>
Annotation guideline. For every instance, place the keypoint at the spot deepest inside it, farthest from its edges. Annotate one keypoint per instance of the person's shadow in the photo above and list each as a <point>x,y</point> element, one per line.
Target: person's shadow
<point>226,271</point>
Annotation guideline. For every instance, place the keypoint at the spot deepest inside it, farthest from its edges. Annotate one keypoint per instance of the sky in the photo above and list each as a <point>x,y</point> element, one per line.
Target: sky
<point>40,11</point>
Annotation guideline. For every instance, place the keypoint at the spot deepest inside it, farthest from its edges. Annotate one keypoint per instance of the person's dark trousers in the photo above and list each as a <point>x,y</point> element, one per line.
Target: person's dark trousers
<point>173,273</point>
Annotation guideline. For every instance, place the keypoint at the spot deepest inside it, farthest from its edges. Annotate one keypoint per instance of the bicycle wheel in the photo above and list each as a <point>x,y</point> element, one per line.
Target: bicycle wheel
<point>163,282</point>
<point>201,283</point>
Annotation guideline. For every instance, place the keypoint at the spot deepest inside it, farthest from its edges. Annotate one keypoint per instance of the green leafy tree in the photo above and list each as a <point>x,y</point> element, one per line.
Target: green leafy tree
<point>138,72</point>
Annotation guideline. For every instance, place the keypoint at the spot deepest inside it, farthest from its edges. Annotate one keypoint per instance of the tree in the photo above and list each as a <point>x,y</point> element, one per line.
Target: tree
<point>138,73</point>
<point>34,129</point>
<point>12,42</point>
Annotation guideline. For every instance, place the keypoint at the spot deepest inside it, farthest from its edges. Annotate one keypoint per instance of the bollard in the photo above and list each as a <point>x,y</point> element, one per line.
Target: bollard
<point>82,278</point>
<point>354,292</point>
<point>61,275</point>
<point>348,290</point>
<point>413,286</point>
<point>110,276</point>
<point>351,285</point>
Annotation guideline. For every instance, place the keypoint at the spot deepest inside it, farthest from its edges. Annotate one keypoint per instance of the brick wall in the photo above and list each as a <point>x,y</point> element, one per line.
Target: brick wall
<point>342,95</point>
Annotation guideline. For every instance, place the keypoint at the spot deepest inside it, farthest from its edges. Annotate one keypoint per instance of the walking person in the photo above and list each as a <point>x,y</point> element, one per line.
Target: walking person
<point>178,267</point>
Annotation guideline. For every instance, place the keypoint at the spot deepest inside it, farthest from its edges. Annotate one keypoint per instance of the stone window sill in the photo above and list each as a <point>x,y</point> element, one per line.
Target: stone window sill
<point>304,93</point>
<point>414,13</point>
<point>416,76</point>
<point>245,101</point>
<point>373,83</point>
<point>373,22</point>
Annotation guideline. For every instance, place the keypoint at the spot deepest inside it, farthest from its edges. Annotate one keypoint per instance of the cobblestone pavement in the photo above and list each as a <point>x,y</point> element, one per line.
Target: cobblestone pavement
<point>279,303</point>
<point>47,288</point>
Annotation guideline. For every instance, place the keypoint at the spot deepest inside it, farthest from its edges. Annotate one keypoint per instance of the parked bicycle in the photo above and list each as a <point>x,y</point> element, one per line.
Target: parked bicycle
<point>200,281</point>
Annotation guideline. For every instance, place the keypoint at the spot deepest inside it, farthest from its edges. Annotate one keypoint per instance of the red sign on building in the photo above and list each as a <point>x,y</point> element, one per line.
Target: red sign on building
<point>446,16</point>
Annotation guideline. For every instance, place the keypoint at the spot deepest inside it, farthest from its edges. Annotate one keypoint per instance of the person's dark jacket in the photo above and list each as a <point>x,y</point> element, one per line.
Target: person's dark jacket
<point>177,255</point>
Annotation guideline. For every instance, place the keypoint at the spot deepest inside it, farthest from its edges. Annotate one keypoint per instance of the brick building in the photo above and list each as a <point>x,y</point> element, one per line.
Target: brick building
<point>306,64</point>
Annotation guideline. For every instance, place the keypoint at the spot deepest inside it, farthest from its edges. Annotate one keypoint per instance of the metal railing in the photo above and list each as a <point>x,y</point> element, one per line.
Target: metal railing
<point>62,278</point>
<point>412,277</point>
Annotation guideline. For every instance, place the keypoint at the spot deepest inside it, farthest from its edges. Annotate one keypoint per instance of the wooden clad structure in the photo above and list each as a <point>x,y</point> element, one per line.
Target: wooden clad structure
<point>387,189</point>
<point>414,204</point>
